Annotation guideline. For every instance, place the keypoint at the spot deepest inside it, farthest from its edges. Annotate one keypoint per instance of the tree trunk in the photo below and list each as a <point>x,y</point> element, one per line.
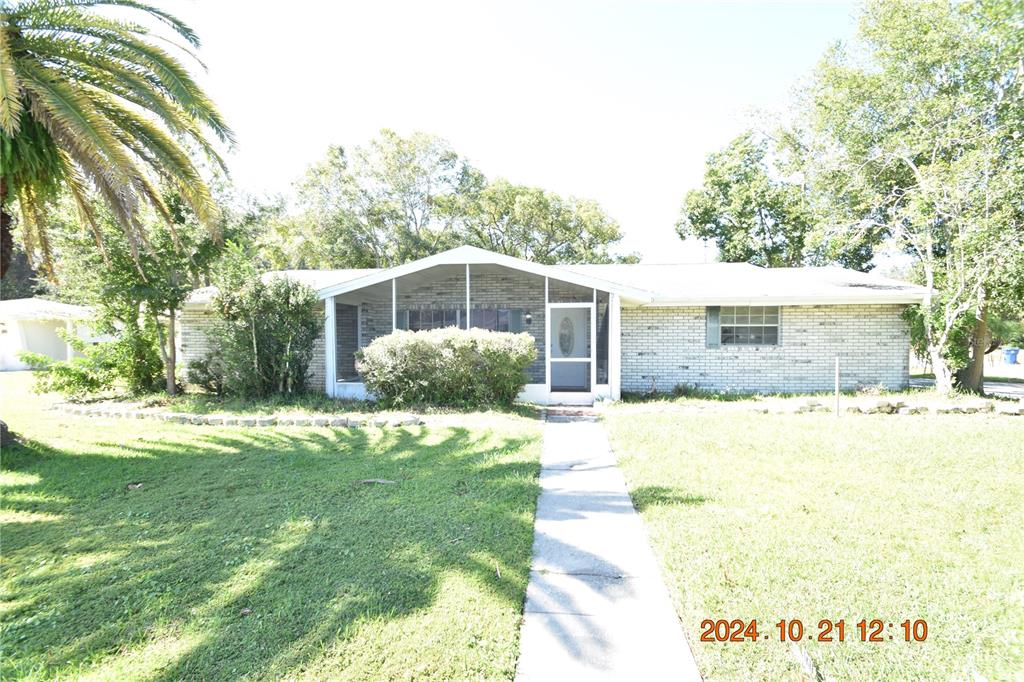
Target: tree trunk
<point>6,253</point>
<point>972,377</point>
<point>6,437</point>
<point>6,232</point>
<point>943,375</point>
<point>172,356</point>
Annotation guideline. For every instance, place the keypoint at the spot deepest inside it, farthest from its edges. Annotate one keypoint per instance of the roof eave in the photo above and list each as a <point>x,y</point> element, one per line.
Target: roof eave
<point>472,256</point>
<point>902,298</point>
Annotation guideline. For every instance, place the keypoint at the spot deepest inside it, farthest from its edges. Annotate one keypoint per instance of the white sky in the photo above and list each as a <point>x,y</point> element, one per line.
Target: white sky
<point>614,101</point>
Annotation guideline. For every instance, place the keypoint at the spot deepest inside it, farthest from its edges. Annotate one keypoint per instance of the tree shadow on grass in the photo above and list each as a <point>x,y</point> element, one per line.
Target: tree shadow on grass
<point>265,544</point>
<point>649,496</point>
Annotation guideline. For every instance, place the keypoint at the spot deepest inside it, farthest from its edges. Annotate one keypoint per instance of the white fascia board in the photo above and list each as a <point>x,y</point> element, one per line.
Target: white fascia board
<point>908,298</point>
<point>467,255</point>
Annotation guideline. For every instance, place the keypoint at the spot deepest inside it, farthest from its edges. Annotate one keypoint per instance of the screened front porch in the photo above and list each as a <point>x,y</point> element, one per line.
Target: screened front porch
<point>571,324</point>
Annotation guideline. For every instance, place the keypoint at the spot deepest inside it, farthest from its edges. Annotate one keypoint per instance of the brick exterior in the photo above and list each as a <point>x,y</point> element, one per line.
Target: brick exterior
<point>194,344</point>
<point>487,290</point>
<point>662,347</point>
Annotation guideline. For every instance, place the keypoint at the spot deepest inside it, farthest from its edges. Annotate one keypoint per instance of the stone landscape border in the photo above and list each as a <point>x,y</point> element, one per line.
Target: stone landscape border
<point>896,406</point>
<point>809,405</point>
<point>336,421</point>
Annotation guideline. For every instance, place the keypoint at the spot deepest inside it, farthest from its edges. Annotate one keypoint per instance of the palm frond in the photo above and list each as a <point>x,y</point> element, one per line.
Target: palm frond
<point>34,234</point>
<point>165,157</point>
<point>76,115</point>
<point>121,40</point>
<point>122,81</point>
<point>88,99</point>
<point>80,195</point>
<point>37,7</point>
<point>10,90</point>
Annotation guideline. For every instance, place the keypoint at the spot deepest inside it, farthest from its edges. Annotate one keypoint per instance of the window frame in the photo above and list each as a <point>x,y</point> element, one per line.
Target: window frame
<point>432,312</point>
<point>728,317</point>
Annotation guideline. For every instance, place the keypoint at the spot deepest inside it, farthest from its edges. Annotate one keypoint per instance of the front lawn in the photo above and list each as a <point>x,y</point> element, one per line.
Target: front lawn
<point>142,550</point>
<point>809,517</point>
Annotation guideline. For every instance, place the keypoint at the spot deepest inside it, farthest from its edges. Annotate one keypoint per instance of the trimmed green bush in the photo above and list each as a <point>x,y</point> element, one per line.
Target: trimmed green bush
<point>453,367</point>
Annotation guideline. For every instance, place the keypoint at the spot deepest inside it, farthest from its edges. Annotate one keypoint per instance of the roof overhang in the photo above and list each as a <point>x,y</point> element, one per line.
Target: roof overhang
<point>471,255</point>
<point>888,298</point>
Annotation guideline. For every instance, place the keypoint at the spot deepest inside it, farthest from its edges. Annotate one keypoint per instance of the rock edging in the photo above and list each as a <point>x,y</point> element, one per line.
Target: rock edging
<point>898,406</point>
<point>335,421</point>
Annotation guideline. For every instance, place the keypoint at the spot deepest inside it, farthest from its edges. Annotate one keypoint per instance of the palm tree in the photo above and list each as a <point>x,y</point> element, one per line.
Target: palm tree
<point>89,101</point>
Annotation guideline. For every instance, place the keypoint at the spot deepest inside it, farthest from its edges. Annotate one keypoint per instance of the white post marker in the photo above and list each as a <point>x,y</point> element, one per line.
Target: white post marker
<point>837,385</point>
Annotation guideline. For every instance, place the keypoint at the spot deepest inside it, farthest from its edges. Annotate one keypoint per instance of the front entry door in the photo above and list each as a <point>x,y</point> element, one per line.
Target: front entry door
<point>570,348</point>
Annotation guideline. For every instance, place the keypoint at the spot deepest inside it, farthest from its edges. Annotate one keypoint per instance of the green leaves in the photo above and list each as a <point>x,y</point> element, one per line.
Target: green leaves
<point>753,214</point>
<point>265,332</point>
<point>119,108</point>
<point>402,198</point>
<point>917,134</point>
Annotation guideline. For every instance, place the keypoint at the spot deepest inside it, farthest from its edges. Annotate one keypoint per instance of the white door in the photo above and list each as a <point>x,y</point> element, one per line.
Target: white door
<point>570,349</point>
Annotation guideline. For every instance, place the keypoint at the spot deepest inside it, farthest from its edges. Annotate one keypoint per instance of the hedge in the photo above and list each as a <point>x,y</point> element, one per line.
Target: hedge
<point>454,367</point>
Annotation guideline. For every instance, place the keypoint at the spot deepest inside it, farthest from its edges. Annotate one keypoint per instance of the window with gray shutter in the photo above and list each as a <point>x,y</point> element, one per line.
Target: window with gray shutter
<point>749,325</point>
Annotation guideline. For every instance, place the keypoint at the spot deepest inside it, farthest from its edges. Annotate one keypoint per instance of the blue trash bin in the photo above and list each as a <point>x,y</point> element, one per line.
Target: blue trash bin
<point>1010,355</point>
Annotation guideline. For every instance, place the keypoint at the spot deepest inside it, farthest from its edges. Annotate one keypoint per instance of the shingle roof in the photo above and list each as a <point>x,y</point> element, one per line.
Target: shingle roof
<point>742,283</point>
<point>678,284</point>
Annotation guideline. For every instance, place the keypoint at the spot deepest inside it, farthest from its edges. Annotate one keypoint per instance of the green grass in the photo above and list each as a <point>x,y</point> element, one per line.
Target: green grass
<point>809,517</point>
<point>257,553</point>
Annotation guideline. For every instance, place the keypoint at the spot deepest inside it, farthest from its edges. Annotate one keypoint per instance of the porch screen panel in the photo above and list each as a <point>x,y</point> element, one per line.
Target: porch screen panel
<point>603,320</point>
<point>346,319</point>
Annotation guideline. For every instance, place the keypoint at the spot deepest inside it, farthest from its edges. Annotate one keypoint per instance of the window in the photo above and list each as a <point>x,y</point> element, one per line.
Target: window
<point>497,319</point>
<point>421,320</point>
<point>750,325</point>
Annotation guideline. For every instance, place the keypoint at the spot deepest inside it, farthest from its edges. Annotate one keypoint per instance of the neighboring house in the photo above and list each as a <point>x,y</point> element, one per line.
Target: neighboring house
<point>602,330</point>
<point>31,324</point>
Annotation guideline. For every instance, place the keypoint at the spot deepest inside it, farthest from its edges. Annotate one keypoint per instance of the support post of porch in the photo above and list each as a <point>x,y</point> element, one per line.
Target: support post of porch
<point>593,345</point>
<point>615,346</point>
<point>547,343</point>
<point>69,352</point>
<point>394,304</point>
<point>330,347</point>
<point>468,316</point>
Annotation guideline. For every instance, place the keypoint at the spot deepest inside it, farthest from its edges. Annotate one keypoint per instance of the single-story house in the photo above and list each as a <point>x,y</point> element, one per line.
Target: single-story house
<point>31,324</point>
<point>602,330</point>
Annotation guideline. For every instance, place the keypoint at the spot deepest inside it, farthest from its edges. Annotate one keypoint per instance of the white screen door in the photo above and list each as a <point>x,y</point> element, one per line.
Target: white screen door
<point>570,348</point>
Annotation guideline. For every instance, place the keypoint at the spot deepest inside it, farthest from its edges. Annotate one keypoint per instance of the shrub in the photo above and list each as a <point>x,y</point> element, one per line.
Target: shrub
<point>263,339</point>
<point>208,373</point>
<point>447,367</point>
<point>131,362</point>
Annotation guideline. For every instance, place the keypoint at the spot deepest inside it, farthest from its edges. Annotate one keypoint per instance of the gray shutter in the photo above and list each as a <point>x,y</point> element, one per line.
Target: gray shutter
<point>515,321</point>
<point>402,319</point>
<point>713,336</point>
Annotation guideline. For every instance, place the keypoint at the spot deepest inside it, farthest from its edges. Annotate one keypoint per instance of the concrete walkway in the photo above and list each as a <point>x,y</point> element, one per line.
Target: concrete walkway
<point>596,606</point>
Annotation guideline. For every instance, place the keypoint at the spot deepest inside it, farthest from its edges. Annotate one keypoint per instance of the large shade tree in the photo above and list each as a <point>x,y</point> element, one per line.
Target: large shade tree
<point>757,210</point>
<point>918,132</point>
<point>90,100</point>
<point>535,224</point>
<point>401,198</point>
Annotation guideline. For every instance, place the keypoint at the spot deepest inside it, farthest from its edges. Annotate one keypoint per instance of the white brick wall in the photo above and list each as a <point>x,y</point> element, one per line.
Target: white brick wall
<point>662,347</point>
